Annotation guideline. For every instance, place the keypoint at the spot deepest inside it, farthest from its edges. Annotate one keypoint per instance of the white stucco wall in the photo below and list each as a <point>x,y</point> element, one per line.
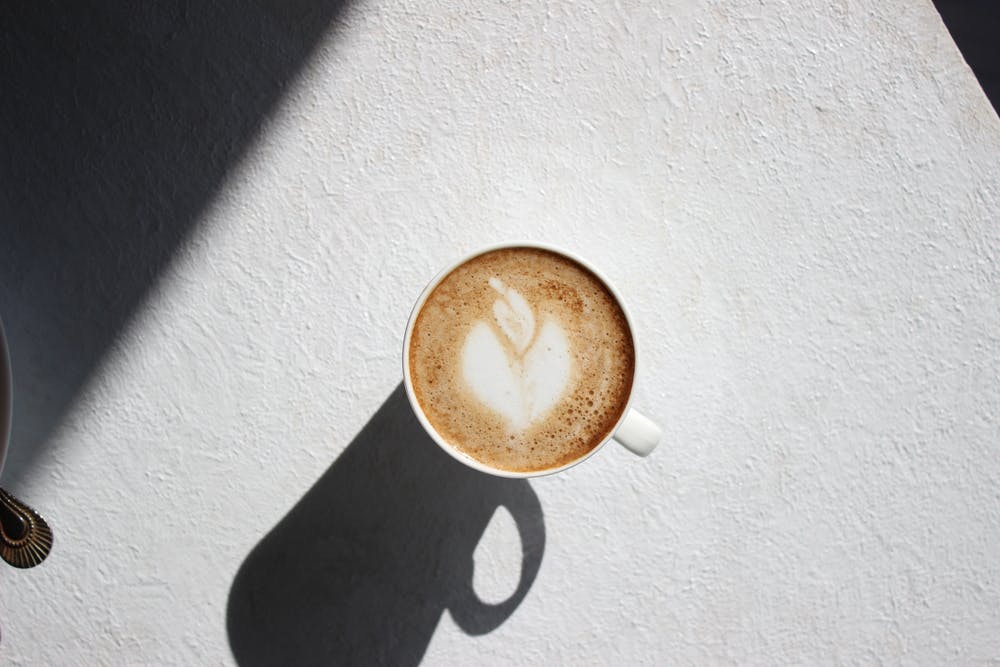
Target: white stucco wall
<point>800,204</point>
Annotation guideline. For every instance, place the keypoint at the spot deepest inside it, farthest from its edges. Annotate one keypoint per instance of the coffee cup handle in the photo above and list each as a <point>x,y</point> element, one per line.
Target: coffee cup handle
<point>638,433</point>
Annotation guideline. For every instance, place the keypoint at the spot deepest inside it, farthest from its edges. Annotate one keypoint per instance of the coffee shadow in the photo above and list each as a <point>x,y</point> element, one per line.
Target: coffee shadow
<point>361,569</point>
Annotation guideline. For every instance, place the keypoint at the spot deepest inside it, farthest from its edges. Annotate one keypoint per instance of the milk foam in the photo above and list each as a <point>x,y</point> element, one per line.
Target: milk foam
<point>509,368</point>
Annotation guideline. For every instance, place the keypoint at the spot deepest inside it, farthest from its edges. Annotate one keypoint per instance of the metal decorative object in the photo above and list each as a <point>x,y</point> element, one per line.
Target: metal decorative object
<point>25,537</point>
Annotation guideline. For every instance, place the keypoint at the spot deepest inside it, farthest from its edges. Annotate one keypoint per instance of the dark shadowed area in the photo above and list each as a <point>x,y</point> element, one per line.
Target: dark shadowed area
<point>975,27</point>
<point>361,569</point>
<point>118,122</point>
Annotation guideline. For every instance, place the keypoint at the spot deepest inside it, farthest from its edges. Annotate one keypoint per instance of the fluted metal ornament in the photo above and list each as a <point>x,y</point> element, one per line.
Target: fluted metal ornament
<point>25,537</point>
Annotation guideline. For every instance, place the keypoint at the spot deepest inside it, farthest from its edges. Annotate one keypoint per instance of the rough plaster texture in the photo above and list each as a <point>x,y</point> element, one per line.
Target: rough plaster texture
<point>799,202</point>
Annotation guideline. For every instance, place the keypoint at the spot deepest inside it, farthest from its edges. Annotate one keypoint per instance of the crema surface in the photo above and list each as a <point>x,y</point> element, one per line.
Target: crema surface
<point>522,359</point>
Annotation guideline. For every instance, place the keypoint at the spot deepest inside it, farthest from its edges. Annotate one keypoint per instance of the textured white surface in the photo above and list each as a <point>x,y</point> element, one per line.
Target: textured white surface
<point>799,203</point>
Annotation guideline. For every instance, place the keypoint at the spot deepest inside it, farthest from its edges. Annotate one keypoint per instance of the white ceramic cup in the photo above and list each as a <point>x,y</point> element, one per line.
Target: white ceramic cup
<point>633,430</point>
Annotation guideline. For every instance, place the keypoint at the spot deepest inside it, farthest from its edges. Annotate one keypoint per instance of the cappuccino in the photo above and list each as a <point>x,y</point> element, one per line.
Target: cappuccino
<point>522,359</point>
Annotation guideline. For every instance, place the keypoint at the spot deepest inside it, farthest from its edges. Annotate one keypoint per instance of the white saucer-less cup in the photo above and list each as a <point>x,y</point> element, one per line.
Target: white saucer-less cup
<point>633,430</point>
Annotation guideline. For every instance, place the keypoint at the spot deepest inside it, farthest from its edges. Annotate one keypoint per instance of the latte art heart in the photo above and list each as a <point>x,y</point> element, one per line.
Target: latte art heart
<point>511,368</point>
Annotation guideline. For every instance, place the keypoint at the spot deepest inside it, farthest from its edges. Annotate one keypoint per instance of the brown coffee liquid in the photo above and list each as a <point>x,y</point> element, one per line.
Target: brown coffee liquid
<point>561,296</point>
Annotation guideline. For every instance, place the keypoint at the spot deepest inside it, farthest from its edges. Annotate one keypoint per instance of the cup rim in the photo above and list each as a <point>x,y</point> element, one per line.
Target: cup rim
<point>6,396</point>
<point>408,383</point>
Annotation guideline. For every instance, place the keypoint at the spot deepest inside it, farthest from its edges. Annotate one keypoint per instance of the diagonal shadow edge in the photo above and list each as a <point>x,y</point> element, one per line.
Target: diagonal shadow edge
<point>118,124</point>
